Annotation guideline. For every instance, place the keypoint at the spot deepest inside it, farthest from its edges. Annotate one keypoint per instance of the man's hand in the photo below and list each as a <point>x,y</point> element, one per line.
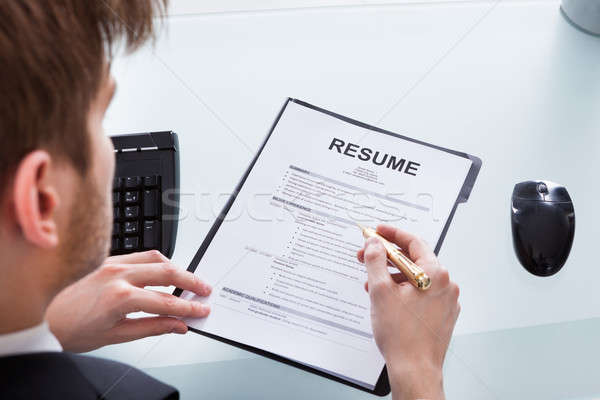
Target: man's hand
<point>412,328</point>
<point>92,312</point>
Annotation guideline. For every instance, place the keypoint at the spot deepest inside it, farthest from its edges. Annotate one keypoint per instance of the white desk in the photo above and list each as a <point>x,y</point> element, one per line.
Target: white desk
<point>511,82</point>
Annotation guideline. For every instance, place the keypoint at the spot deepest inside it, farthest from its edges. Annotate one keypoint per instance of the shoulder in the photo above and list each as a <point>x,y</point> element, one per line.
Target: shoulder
<point>123,380</point>
<point>67,375</point>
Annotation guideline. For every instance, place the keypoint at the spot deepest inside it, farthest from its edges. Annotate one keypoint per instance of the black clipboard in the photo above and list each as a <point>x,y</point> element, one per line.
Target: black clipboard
<point>382,387</point>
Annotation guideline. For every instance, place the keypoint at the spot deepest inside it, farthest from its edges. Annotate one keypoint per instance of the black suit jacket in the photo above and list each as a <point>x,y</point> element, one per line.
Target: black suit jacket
<point>72,376</point>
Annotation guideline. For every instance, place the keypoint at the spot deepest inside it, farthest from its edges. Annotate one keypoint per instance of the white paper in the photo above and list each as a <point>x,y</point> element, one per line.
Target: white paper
<point>283,263</point>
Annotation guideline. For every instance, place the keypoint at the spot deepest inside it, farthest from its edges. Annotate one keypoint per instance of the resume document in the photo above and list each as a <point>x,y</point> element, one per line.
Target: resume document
<point>283,263</point>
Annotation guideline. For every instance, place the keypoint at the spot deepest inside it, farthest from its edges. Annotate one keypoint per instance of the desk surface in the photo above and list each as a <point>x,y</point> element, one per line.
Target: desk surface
<point>509,81</point>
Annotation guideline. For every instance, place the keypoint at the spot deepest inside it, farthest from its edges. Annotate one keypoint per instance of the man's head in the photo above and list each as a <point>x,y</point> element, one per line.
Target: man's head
<point>56,163</point>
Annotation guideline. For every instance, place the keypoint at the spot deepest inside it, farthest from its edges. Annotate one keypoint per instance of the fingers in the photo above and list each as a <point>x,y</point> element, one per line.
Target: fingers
<point>137,328</point>
<point>166,274</point>
<point>376,262</point>
<point>397,277</point>
<point>160,303</point>
<point>417,249</point>
<point>144,257</point>
<point>361,257</point>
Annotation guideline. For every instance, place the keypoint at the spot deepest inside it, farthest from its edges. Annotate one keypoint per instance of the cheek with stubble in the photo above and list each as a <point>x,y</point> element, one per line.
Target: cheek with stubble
<point>91,226</point>
<point>87,241</point>
<point>101,215</point>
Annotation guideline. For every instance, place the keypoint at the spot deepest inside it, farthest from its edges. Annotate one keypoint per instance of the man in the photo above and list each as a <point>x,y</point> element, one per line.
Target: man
<point>56,167</point>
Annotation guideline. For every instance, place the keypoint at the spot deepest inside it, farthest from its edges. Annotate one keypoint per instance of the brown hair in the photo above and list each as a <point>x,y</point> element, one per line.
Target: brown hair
<point>53,56</point>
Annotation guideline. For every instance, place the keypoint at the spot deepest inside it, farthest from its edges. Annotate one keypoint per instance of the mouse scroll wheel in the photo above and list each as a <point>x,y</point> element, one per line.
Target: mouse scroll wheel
<point>542,188</point>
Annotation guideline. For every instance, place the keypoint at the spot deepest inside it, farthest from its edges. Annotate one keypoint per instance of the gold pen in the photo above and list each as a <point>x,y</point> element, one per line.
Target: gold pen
<point>412,271</point>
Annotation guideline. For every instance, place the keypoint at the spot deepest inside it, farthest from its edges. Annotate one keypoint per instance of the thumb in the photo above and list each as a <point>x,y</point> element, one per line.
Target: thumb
<point>376,262</point>
<point>137,328</point>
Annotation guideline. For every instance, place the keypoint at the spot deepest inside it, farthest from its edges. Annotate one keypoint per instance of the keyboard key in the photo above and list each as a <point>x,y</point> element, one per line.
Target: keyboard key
<point>151,180</point>
<point>133,181</point>
<point>115,198</point>
<point>132,197</point>
<point>131,243</point>
<point>116,228</point>
<point>130,227</point>
<point>115,244</point>
<point>117,183</point>
<point>151,203</point>
<point>132,211</point>
<point>151,234</point>
<point>116,213</point>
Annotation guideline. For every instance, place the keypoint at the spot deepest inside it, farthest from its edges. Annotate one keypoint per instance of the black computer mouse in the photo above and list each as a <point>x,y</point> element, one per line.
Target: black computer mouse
<point>543,226</point>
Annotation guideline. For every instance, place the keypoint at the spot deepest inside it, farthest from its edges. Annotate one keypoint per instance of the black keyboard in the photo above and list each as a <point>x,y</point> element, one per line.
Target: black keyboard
<point>145,192</point>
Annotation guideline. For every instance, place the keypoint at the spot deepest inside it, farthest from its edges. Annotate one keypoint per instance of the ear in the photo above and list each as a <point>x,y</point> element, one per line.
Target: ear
<point>36,200</point>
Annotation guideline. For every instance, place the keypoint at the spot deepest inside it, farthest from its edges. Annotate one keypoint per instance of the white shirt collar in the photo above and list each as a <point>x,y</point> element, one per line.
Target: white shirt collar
<point>32,340</point>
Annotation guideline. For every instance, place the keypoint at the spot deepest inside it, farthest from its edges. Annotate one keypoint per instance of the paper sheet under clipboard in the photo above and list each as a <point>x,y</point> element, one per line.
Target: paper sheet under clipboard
<point>282,256</point>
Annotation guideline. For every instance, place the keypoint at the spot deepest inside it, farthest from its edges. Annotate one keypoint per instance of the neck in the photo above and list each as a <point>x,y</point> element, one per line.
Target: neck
<point>24,293</point>
<point>16,317</point>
